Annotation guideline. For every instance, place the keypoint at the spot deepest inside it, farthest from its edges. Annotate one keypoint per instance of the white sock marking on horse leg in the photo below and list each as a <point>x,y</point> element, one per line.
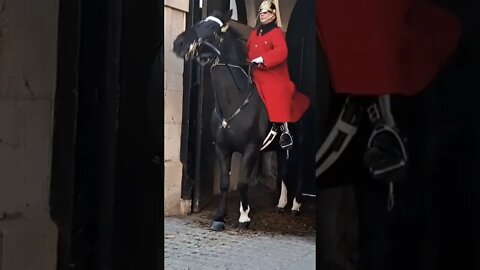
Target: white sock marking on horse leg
<point>283,196</point>
<point>244,214</point>
<point>296,205</point>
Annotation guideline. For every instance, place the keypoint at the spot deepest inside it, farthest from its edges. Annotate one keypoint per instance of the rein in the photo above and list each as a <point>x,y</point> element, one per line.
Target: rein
<point>225,121</point>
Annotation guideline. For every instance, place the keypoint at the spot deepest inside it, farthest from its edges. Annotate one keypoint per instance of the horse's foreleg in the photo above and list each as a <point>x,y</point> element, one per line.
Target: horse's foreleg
<point>224,160</point>
<point>250,158</point>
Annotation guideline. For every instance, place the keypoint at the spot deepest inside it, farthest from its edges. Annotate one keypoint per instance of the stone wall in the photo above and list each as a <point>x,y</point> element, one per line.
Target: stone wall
<point>175,20</point>
<point>28,58</point>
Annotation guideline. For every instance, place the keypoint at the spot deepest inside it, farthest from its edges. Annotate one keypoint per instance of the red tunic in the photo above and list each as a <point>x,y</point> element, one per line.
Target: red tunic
<point>376,47</point>
<point>283,102</point>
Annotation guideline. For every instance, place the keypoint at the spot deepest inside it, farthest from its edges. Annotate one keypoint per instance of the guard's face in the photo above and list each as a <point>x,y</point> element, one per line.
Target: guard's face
<point>266,17</point>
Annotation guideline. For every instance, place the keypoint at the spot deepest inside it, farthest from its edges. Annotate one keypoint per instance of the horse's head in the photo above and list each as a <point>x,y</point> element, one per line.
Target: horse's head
<point>190,43</point>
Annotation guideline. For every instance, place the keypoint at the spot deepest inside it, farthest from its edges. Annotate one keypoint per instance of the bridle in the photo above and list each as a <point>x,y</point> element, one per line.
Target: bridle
<point>193,50</point>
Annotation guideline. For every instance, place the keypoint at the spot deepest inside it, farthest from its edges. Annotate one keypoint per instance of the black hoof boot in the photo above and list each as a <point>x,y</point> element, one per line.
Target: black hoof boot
<point>295,213</point>
<point>244,225</point>
<point>280,209</point>
<point>217,226</point>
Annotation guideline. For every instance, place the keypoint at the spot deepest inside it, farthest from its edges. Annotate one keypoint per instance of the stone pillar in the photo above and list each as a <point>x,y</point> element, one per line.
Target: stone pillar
<point>28,58</point>
<point>175,21</point>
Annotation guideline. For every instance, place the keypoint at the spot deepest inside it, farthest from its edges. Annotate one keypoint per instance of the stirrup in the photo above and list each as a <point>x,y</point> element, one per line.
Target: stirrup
<point>386,163</point>
<point>286,141</point>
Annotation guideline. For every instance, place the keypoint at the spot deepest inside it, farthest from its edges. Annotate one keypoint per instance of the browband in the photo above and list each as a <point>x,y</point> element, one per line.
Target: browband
<point>215,19</point>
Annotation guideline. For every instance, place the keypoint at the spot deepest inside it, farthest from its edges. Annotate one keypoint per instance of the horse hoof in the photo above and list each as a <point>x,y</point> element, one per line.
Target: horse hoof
<point>295,213</point>
<point>280,210</point>
<point>243,225</point>
<point>217,226</point>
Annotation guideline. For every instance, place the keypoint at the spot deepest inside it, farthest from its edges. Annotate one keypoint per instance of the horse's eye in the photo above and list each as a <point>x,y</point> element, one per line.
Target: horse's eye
<point>211,27</point>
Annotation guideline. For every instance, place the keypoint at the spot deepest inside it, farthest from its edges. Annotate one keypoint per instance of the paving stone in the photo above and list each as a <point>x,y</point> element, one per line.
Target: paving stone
<point>190,245</point>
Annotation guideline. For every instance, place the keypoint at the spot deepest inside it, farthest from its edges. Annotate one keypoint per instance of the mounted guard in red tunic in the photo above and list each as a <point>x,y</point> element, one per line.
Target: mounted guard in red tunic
<point>267,47</point>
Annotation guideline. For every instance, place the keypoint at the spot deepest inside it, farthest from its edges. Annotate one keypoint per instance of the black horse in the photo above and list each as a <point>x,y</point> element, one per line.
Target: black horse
<point>239,122</point>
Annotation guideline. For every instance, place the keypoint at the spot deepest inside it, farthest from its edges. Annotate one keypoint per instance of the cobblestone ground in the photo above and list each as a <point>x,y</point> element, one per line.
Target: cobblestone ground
<point>190,245</point>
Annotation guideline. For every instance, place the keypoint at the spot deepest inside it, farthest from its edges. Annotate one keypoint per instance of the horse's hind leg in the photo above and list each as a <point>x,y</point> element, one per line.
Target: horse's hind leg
<point>281,180</point>
<point>295,180</point>
<point>250,158</point>
<point>297,200</point>
<point>224,158</point>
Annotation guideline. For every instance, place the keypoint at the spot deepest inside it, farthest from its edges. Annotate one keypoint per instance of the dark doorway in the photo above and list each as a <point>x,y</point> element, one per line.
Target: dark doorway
<point>107,179</point>
<point>197,154</point>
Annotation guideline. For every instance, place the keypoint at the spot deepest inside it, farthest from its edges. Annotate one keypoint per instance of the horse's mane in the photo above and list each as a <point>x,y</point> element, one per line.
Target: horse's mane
<point>234,45</point>
<point>233,37</point>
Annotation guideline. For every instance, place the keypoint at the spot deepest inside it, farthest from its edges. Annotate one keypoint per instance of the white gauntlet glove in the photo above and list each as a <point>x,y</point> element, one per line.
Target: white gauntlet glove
<point>258,60</point>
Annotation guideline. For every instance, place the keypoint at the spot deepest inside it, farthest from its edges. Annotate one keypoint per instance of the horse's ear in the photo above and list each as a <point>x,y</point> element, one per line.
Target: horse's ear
<point>228,15</point>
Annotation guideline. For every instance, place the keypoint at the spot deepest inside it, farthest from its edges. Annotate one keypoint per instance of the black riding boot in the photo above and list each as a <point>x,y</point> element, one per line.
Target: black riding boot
<point>286,140</point>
